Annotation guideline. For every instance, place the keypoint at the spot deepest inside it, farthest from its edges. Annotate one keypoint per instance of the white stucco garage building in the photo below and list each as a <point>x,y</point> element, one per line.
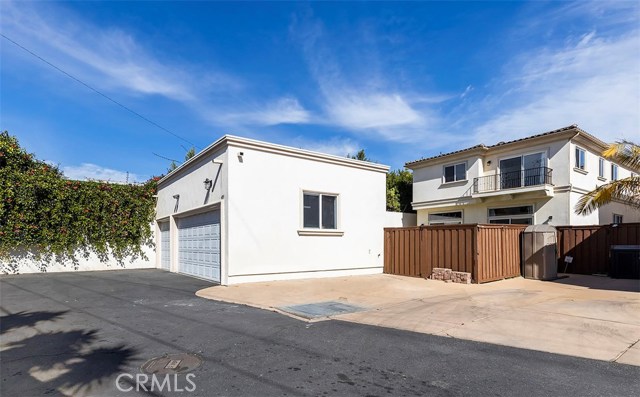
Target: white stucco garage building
<point>244,210</point>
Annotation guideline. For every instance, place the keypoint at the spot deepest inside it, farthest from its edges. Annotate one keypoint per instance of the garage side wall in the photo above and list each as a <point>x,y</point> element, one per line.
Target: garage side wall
<point>189,184</point>
<point>266,238</point>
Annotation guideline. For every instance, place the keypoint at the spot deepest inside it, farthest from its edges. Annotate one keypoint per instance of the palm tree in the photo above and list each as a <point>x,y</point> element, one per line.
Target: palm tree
<point>625,190</point>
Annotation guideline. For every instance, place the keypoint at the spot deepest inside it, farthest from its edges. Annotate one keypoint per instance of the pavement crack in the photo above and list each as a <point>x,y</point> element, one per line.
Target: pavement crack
<point>624,351</point>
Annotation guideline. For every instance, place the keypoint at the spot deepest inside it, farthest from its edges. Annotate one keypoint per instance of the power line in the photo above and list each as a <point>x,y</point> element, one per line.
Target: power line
<point>98,92</point>
<point>166,158</point>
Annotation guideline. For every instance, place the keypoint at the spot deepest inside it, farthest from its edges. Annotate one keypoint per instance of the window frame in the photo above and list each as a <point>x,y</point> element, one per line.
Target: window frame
<point>576,163</point>
<point>601,167</point>
<point>614,174</point>
<point>445,222</point>
<point>615,216</point>
<point>455,165</point>
<point>320,229</point>
<point>510,217</point>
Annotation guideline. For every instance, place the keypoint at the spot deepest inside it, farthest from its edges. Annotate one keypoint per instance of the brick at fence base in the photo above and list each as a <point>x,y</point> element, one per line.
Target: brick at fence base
<point>439,273</point>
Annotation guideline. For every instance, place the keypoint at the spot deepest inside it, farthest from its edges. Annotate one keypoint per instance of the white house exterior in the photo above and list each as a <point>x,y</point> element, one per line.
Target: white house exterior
<point>271,212</point>
<point>534,180</point>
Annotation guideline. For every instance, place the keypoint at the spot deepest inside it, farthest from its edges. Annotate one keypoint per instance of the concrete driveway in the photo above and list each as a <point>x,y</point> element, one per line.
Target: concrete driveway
<point>584,316</point>
<point>75,333</point>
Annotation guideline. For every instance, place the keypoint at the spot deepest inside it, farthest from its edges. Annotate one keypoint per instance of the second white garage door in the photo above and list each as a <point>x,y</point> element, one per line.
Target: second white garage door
<point>165,244</point>
<point>199,245</point>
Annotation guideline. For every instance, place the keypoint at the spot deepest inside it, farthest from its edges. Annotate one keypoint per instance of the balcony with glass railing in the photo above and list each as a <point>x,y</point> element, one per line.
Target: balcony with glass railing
<point>527,179</point>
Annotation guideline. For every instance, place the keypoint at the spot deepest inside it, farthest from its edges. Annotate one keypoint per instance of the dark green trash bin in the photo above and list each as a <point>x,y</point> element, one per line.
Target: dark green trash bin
<point>625,261</point>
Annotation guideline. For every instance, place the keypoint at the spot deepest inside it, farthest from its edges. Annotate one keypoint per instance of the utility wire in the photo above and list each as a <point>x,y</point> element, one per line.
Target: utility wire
<point>166,158</point>
<point>98,92</point>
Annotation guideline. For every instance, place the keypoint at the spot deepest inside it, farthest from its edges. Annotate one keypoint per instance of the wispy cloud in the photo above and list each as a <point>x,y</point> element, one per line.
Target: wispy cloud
<point>593,81</point>
<point>362,101</point>
<point>88,171</point>
<point>114,60</point>
<point>109,58</point>
<point>285,110</point>
<point>334,145</point>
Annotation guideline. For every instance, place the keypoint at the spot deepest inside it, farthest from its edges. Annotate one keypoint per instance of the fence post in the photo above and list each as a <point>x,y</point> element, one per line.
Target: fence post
<point>475,253</point>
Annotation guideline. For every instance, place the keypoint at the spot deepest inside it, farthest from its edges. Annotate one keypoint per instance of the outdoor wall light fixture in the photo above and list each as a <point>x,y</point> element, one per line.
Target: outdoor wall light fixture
<point>489,162</point>
<point>207,184</point>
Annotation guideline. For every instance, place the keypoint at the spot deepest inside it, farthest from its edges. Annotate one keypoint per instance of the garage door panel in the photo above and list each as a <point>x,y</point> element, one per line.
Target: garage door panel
<point>165,244</point>
<point>199,245</point>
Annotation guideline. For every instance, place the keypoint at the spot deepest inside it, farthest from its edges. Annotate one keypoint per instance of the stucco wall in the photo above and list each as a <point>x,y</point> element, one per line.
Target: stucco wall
<point>190,186</point>
<point>90,264</point>
<point>264,217</point>
<point>428,183</point>
<point>588,179</point>
<point>399,219</point>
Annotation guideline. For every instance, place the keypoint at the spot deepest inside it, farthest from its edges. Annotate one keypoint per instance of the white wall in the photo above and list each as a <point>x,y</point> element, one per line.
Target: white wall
<point>189,184</point>
<point>399,219</point>
<point>92,263</point>
<point>428,183</point>
<point>265,216</point>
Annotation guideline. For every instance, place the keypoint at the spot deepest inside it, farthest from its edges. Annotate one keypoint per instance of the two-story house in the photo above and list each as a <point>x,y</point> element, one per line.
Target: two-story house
<point>534,180</point>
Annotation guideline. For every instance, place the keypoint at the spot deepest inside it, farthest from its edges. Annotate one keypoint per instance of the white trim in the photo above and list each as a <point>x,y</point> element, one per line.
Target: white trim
<point>252,278</point>
<point>617,168</point>
<point>320,232</point>
<point>576,166</point>
<point>199,210</point>
<point>523,216</point>
<point>310,192</point>
<point>461,211</point>
<point>601,167</point>
<point>236,141</point>
<point>545,158</point>
<point>466,171</point>
<point>580,170</point>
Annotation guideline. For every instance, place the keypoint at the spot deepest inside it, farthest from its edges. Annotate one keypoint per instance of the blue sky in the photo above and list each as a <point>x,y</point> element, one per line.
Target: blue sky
<point>401,80</point>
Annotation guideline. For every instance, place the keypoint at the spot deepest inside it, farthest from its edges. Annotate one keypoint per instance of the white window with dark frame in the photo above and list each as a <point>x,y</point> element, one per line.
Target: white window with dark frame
<point>617,219</point>
<point>320,211</point>
<point>601,167</point>
<point>614,172</point>
<point>520,215</point>
<point>445,218</point>
<point>580,159</point>
<point>455,172</point>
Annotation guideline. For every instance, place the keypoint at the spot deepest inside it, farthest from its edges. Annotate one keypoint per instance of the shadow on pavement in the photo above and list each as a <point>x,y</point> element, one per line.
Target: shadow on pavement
<point>600,282</point>
<point>71,362</point>
<point>27,319</point>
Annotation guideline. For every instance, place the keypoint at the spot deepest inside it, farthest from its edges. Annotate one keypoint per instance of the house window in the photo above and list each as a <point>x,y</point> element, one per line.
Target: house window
<point>580,158</point>
<point>319,211</point>
<point>617,218</point>
<point>614,172</point>
<point>445,218</point>
<point>522,215</point>
<point>456,172</point>
<point>601,167</point>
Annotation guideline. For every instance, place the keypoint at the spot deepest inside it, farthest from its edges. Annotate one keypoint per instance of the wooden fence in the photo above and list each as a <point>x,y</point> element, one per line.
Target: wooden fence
<point>488,252</point>
<point>590,245</point>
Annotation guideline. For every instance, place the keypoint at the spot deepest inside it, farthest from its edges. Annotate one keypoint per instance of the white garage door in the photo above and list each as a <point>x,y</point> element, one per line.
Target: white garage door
<point>199,245</point>
<point>165,241</point>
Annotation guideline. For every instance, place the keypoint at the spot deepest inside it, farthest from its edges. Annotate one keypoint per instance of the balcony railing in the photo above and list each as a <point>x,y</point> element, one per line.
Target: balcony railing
<point>512,180</point>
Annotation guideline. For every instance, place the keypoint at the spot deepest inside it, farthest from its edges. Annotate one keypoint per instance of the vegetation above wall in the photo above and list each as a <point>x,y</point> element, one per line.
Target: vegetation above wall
<point>399,186</point>
<point>399,191</point>
<point>44,216</point>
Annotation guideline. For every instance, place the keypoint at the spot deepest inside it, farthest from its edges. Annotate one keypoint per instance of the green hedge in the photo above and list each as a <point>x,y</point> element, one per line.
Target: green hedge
<point>45,217</point>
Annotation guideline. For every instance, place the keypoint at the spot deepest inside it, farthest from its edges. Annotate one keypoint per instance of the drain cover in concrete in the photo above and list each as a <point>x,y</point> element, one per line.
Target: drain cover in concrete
<point>172,364</point>
<point>321,309</point>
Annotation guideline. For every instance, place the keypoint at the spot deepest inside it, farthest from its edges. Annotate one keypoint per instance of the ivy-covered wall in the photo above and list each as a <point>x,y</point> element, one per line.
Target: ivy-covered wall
<point>45,217</point>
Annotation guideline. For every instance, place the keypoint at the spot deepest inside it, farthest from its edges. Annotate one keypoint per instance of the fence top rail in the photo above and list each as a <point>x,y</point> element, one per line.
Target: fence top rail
<point>459,226</point>
<point>580,227</point>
